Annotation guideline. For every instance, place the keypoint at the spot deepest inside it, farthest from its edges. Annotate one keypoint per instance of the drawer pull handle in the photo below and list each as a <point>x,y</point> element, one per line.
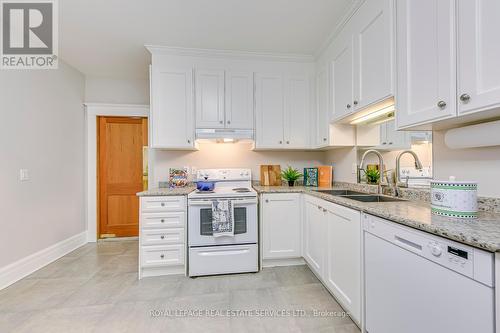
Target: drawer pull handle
<point>162,256</point>
<point>163,204</point>
<point>162,221</point>
<point>162,237</point>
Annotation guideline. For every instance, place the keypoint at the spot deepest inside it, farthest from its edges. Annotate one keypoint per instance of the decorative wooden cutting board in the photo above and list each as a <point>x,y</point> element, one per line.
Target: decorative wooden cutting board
<point>325,175</point>
<point>270,175</point>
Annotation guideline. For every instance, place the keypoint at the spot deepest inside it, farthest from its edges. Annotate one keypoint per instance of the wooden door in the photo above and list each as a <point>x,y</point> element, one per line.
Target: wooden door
<point>478,55</point>
<point>209,99</point>
<point>426,58</point>
<point>121,141</point>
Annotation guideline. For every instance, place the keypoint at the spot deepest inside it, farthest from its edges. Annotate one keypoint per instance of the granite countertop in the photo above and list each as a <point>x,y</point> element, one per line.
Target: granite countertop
<point>167,191</point>
<point>482,233</point>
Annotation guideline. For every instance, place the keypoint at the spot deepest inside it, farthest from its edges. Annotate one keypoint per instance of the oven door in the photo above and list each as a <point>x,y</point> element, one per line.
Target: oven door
<point>200,223</point>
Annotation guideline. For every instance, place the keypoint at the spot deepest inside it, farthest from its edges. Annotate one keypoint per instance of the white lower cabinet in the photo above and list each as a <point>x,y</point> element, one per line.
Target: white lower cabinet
<point>162,236</point>
<point>314,234</point>
<point>281,226</point>
<point>342,274</point>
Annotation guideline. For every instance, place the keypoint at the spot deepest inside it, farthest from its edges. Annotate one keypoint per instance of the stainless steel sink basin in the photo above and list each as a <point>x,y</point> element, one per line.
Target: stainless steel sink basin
<point>340,192</point>
<point>372,198</point>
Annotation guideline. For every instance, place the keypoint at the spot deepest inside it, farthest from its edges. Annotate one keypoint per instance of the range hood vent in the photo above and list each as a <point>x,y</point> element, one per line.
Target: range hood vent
<point>224,134</point>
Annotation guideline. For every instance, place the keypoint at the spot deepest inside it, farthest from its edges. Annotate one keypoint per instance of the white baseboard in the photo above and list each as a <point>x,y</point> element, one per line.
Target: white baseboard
<point>25,266</point>
<point>283,262</point>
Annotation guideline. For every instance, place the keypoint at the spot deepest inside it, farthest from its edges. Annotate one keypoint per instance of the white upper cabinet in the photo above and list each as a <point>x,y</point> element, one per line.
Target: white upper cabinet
<point>322,107</point>
<point>478,55</point>
<point>270,110</point>
<point>426,60</point>
<point>342,76</point>
<point>298,111</point>
<point>172,114</point>
<point>209,98</point>
<point>239,100</point>
<point>283,109</point>
<point>373,49</point>
<point>281,225</point>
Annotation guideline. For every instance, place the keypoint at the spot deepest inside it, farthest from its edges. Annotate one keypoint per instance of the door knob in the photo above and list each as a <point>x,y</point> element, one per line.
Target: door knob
<point>464,98</point>
<point>441,104</point>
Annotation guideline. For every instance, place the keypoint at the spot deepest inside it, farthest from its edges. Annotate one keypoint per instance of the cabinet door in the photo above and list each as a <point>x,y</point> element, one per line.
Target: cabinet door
<point>341,68</point>
<point>209,99</point>
<point>322,116</point>
<point>172,114</point>
<point>343,257</point>
<point>269,108</point>
<point>373,50</point>
<point>239,100</point>
<point>281,226</point>
<point>314,232</point>
<point>478,55</point>
<point>395,139</point>
<point>426,60</point>
<point>296,120</point>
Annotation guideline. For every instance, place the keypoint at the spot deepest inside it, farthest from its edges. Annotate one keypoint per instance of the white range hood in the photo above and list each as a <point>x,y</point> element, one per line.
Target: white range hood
<point>224,134</point>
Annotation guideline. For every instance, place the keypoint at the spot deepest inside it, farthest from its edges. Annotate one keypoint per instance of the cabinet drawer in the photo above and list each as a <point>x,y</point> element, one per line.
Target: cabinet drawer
<point>162,236</point>
<point>163,220</point>
<point>163,204</point>
<point>165,255</point>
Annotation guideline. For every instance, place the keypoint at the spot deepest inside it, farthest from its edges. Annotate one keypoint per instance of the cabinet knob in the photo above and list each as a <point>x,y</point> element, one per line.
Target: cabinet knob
<point>355,102</point>
<point>288,142</point>
<point>162,221</point>
<point>464,98</point>
<point>319,207</point>
<point>281,142</point>
<point>348,106</point>
<point>189,141</point>
<point>267,200</point>
<point>228,122</point>
<point>221,122</point>
<point>384,143</point>
<point>162,237</point>
<point>324,210</point>
<point>162,256</point>
<point>324,139</point>
<point>390,143</point>
<point>441,104</point>
<point>162,204</point>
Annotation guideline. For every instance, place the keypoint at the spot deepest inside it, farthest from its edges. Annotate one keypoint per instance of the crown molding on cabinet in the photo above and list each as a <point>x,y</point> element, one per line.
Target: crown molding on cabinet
<point>214,53</point>
<point>338,28</point>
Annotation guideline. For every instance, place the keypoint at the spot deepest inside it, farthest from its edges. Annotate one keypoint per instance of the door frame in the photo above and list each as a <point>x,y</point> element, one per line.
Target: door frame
<point>92,111</point>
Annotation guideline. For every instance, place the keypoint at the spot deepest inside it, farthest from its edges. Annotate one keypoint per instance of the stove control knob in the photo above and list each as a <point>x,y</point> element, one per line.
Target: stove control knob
<point>436,249</point>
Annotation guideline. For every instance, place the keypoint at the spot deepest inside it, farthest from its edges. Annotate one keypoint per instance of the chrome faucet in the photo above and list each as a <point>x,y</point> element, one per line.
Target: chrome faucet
<point>381,166</point>
<point>398,182</point>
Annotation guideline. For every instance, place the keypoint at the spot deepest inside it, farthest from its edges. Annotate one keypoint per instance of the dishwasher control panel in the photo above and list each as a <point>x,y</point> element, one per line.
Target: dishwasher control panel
<point>458,257</point>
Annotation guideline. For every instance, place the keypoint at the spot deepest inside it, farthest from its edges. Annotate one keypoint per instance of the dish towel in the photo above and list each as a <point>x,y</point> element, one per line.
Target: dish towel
<point>222,218</point>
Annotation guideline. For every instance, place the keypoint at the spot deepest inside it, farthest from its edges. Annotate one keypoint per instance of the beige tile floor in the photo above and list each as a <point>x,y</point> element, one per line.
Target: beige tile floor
<point>95,289</point>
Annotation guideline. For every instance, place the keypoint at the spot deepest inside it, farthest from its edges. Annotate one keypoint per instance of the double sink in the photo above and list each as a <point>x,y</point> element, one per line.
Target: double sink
<point>360,196</point>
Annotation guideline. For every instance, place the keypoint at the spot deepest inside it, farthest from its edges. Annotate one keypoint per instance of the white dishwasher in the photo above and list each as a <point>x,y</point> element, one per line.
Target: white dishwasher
<point>416,282</point>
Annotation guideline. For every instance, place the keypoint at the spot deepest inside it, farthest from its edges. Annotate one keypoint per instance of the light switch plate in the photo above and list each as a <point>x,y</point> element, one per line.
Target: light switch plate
<point>24,175</point>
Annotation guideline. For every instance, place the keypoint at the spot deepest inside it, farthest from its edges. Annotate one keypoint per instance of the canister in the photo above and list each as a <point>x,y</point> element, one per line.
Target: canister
<point>454,198</point>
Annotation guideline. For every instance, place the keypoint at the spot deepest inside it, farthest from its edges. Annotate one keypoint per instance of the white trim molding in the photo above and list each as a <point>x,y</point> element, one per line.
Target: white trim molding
<point>214,53</point>
<point>25,266</point>
<point>92,111</point>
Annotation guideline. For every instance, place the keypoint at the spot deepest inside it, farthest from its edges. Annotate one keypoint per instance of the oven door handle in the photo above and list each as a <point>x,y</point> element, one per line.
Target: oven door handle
<point>209,202</point>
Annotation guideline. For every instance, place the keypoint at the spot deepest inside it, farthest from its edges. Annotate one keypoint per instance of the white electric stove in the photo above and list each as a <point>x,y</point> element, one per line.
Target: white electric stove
<point>209,255</point>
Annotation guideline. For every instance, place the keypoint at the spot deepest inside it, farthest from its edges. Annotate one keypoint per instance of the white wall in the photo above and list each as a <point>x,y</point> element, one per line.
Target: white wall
<point>41,129</point>
<point>120,91</point>
<point>476,164</point>
<point>342,160</point>
<point>239,155</point>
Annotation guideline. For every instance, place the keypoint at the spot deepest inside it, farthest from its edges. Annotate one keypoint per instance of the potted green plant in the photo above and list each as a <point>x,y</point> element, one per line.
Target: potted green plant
<point>291,175</point>
<point>372,176</point>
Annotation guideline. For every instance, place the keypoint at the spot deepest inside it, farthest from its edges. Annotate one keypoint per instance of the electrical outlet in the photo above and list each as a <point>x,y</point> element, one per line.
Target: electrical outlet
<point>24,175</point>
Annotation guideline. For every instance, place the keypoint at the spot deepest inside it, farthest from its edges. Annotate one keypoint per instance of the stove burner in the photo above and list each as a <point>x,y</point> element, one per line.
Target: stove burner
<point>241,189</point>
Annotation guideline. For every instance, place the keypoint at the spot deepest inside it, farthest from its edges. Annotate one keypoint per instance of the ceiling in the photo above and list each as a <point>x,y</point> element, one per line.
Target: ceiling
<point>106,38</point>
